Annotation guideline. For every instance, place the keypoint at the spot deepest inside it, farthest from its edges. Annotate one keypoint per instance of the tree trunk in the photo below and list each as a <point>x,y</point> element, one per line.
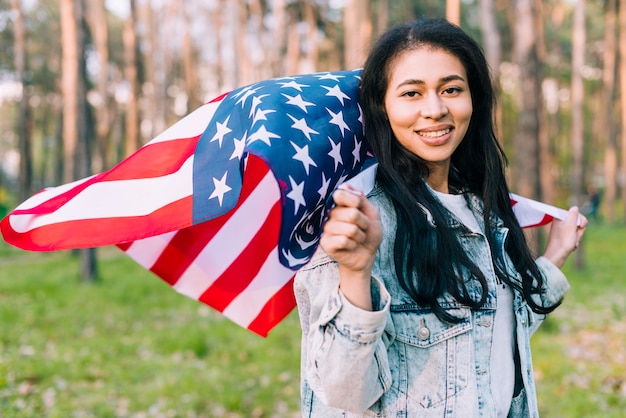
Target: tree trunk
<point>622,79</point>
<point>75,112</point>
<point>131,72</point>
<point>453,11</point>
<point>357,32</point>
<point>100,34</point>
<point>546,159</point>
<point>578,93</point>
<point>607,124</point>
<point>190,67</point>
<point>526,143</point>
<point>25,116</point>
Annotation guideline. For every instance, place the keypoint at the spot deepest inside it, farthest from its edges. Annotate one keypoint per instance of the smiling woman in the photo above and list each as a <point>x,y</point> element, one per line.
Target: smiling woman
<point>424,294</point>
<point>429,108</point>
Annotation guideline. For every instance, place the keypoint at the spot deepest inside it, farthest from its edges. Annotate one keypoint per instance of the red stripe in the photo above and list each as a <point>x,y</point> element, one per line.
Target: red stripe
<point>275,310</point>
<point>87,233</point>
<point>188,243</point>
<point>150,161</point>
<point>247,264</point>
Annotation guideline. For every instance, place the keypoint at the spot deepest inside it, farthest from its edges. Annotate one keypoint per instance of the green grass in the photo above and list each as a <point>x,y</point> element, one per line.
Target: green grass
<point>580,352</point>
<point>130,346</point>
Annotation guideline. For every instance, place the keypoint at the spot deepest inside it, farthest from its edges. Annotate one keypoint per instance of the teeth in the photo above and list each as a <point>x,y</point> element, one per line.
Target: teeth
<point>435,134</point>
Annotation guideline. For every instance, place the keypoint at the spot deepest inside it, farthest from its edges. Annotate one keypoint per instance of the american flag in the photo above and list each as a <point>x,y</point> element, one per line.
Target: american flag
<point>228,203</point>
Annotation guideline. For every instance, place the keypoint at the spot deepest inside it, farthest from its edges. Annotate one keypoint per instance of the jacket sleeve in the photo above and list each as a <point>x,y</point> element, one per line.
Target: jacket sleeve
<point>344,352</point>
<point>556,286</point>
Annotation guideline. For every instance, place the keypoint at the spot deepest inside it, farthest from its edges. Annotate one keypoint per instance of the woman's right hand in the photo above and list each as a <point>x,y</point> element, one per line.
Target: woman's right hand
<point>351,237</point>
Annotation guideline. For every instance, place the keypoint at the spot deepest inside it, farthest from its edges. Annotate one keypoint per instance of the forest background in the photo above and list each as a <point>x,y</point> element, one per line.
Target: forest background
<point>84,83</point>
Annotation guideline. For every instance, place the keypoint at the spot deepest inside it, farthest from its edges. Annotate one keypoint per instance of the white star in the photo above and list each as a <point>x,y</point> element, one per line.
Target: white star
<point>264,135</point>
<point>329,76</point>
<point>260,115</point>
<point>293,84</point>
<point>240,145</point>
<point>337,119</point>
<point>356,152</point>
<point>335,152</point>
<point>222,130</point>
<point>296,194</point>
<point>301,125</point>
<point>323,191</point>
<point>245,94</point>
<point>256,101</point>
<point>221,188</point>
<point>298,101</point>
<point>293,261</point>
<point>360,114</point>
<point>302,155</point>
<point>336,92</point>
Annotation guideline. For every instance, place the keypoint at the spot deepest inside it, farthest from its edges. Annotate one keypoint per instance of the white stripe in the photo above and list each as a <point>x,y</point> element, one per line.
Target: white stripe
<point>190,126</point>
<point>147,251</point>
<point>121,198</point>
<point>231,239</point>
<point>531,212</point>
<point>49,193</point>
<point>249,303</point>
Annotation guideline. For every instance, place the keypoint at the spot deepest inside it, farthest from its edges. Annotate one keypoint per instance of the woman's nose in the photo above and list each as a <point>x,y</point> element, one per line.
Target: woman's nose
<point>433,107</point>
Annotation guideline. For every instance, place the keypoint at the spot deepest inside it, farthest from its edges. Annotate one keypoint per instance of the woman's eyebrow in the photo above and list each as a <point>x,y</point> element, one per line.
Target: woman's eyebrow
<point>446,79</point>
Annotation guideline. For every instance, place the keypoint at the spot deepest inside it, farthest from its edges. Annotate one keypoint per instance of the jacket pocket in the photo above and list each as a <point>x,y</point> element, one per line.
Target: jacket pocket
<point>433,357</point>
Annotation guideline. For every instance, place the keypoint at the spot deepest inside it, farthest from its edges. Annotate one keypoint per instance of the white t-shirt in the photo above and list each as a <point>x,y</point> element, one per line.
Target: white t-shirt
<point>503,345</point>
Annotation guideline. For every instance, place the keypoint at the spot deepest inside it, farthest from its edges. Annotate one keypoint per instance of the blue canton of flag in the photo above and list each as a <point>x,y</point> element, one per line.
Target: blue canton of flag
<point>309,131</point>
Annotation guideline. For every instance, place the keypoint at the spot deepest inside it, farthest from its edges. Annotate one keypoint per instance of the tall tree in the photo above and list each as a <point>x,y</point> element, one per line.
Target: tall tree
<point>24,121</point>
<point>526,142</point>
<point>131,73</point>
<point>76,138</point>
<point>453,11</point>
<point>622,88</point>
<point>578,95</point>
<point>100,34</point>
<point>358,32</point>
<point>607,124</point>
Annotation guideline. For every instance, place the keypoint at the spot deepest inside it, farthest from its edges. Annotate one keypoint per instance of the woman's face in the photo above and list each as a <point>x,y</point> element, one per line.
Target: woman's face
<point>429,104</point>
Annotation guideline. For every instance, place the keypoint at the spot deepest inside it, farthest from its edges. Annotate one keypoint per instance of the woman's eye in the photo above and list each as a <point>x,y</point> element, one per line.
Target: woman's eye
<point>452,90</point>
<point>411,94</point>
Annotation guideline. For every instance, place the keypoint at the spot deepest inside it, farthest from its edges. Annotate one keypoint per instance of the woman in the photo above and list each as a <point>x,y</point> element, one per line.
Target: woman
<point>424,294</point>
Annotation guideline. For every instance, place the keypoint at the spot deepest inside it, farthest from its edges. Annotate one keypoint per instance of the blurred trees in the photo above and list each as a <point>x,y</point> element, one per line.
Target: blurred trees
<point>146,63</point>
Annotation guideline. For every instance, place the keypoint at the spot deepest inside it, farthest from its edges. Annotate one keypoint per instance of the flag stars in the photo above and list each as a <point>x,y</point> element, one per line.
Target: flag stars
<point>260,114</point>
<point>298,101</point>
<point>335,153</point>
<point>245,94</point>
<point>323,190</point>
<point>337,119</point>
<point>221,188</point>
<point>336,92</point>
<point>256,101</point>
<point>300,124</point>
<point>240,145</point>
<point>222,130</point>
<point>296,194</point>
<point>356,152</point>
<point>293,84</point>
<point>302,155</point>
<point>329,76</point>
<point>262,134</point>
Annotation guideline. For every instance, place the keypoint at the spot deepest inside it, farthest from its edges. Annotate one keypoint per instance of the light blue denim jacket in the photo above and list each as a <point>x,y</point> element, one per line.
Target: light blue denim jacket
<point>400,360</point>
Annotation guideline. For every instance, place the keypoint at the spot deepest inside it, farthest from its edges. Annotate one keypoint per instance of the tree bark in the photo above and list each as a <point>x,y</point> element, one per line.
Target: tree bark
<point>76,135</point>
<point>24,121</point>
<point>131,73</point>
<point>607,124</point>
<point>453,11</point>
<point>100,34</point>
<point>578,95</point>
<point>526,142</point>
<point>357,32</point>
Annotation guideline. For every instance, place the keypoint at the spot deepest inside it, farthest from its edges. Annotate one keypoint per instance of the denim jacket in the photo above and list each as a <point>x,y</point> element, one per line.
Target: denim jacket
<point>400,360</point>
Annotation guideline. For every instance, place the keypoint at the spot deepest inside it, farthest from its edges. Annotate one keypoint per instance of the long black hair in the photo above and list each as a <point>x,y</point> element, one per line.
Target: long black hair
<point>429,259</point>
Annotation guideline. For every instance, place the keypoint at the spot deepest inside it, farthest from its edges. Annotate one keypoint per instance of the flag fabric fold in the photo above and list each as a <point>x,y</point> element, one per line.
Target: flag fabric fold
<point>228,203</point>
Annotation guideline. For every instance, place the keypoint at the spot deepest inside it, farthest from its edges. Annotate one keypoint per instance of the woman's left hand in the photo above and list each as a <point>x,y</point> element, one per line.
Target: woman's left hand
<point>565,236</point>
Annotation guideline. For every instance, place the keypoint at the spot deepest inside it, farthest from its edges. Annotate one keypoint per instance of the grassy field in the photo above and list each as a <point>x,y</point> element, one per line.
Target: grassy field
<point>129,346</point>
